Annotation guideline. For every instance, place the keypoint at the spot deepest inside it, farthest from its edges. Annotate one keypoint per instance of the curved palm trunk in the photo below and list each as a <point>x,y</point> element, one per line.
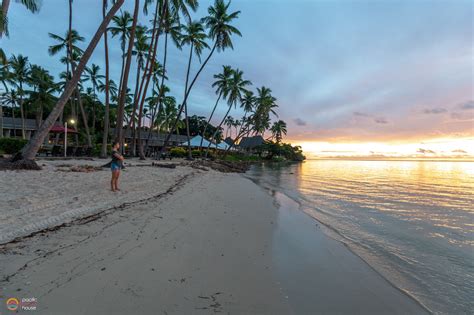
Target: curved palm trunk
<point>186,98</point>
<point>123,92</point>
<point>209,120</point>
<point>217,129</point>
<point>31,148</point>
<point>105,136</point>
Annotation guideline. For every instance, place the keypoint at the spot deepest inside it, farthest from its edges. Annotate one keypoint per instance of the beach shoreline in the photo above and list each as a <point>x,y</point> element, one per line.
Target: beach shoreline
<point>212,243</point>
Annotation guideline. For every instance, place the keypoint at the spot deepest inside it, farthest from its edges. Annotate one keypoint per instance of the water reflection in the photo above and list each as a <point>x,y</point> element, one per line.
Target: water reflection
<point>414,220</point>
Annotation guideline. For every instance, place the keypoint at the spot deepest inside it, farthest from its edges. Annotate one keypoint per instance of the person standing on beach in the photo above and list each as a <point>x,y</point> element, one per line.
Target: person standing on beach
<point>116,166</point>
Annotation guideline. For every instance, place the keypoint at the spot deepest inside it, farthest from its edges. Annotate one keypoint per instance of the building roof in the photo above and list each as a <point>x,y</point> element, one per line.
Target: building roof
<point>251,142</point>
<point>15,123</point>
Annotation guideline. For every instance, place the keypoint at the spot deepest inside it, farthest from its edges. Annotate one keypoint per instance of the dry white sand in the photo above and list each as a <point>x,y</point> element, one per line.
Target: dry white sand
<point>32,201</point>
<point>212,243</point>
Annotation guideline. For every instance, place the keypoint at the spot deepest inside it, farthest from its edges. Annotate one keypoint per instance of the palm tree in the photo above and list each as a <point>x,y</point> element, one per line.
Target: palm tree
<point>20,76</point>
<point>43,91</point>
<point>123,87</point>
<point>278,129</point>
<point>122,25</point>
<point>236,89</point>
<point>248,103</point>
<point>220,31</point>
<point>103,151</point>
<point>221,83</point>
<point>195,37</point>
<point>31,5</point>
<point>264,106</point>
<point>71,37</point>
<point>31,148</point>
<point>92,75</point>
<point>229,122</point>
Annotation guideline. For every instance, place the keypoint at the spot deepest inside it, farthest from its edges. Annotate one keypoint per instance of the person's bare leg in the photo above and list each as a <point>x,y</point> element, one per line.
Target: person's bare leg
<point>113,182</point>
<point>116,180</point>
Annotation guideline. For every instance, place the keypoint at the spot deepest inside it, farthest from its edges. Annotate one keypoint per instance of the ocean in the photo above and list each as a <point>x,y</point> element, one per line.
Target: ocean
<point>412,221</point>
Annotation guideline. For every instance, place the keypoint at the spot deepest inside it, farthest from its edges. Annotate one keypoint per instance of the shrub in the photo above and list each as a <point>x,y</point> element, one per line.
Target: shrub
<point>12,145</point>
<point>195,153</point>
<point>178,152</point>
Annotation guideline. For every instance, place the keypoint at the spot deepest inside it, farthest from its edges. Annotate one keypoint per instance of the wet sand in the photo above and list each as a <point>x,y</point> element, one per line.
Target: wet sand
<point>210,243</point>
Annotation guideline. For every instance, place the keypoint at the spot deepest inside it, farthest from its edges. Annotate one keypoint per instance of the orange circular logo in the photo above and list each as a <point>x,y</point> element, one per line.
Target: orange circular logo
<point>12,304</point>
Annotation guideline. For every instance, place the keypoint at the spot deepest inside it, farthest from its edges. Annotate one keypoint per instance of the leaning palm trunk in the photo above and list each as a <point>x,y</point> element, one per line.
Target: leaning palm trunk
<point>217,129</point>
<point>31,148</point>
<point>123,92</point>
<point>209,120</point>
<point>175,123</point>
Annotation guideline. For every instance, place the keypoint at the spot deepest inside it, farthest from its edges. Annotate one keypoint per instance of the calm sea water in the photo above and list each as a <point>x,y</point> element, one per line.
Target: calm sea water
<point>412,221</point>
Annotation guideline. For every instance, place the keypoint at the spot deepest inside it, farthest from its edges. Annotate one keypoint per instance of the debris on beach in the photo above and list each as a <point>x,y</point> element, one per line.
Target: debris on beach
<point>221,166</point>
<point>81,169</point>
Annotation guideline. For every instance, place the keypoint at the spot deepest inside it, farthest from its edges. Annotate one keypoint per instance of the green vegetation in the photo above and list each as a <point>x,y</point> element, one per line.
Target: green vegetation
<point>11,145</point>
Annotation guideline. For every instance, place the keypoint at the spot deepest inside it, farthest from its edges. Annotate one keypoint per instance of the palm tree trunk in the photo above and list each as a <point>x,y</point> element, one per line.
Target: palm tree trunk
<point>5,6</point>
<point>22,113</point>
<point>217,129</point>
<point>165,144</point>
<point>105,136</point>
<point>209,120</point>
<point>1,121</point>
<point>148,71</point>
<point>190,156</point>
<point>134,110</point>
<point>31,148</point>
<point>123,92</point>
<point>84,118</point>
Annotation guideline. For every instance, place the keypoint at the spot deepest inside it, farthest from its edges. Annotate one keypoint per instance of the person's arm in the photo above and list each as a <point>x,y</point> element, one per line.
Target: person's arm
<point>118,156</point>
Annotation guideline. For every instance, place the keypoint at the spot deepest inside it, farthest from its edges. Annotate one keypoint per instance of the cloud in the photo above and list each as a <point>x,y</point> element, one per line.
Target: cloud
<point>459,151</point>
<point>381,120</point>
<point>437,110</point>
<point>361,114</point>
<point>467,105</point>
<point>424,151</point>
<point>299,122</point>
<point>461,116</point>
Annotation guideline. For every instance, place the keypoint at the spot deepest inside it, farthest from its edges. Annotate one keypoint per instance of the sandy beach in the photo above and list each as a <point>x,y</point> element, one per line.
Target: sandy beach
<point>175,241</point>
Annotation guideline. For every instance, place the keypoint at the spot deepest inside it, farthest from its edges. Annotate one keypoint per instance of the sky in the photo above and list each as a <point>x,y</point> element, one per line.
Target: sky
<point>378,78</point>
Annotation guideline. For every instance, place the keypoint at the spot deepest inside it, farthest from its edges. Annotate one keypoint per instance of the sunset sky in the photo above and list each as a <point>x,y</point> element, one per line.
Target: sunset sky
<point>351,77</point>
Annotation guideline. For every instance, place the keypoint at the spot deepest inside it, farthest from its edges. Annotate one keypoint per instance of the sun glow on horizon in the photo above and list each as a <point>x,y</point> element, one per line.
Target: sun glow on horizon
<point>452,148</point>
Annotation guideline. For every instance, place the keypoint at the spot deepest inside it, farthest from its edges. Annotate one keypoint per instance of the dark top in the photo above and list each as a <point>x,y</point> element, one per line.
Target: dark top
<point>115,159</point>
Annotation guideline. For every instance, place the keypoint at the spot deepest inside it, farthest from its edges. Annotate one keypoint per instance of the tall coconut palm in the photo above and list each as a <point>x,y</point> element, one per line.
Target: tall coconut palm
<point>93,75</point>
<point>220,31</point>
<point>278,129</point>
<point>103,151</point>
<point>248,104</point>
<point>31,148</point>
<point>236,89</point>
<point>264,106</point>
<point>123,87</point>
<point>20,76</point>
<point>229,122</point>
<point>42,95</point>
<point>195,37</point>
<point>221,85</point>
<point>121,28</point>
